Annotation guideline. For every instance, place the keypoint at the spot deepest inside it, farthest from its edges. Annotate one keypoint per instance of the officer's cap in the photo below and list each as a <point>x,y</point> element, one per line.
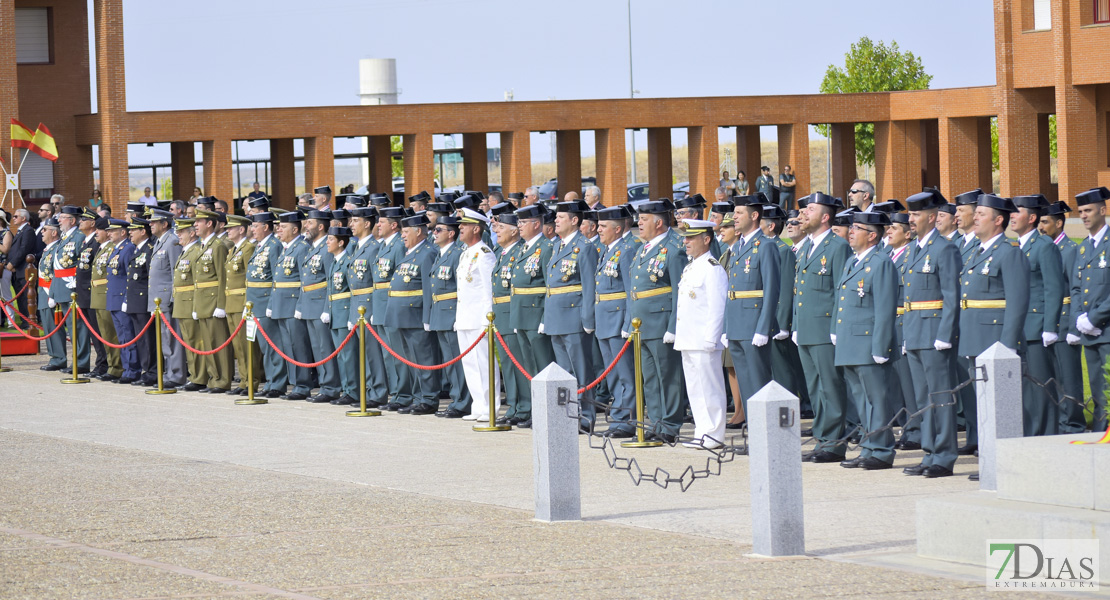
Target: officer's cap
<point>1092,196</point>
<point>212,216</point>
<point>695,201</point>
<point>722,208</point>
<point>340,231</point>
<point>72,210</point>
<point>476,193</point>
<point>844,217</point>
<point>102,223</point>
<point>449,221</point>
<point>870,218</point>
<point>590,215</point>
<point>135,207</point>
<point>340,214</point>
<point>535,211</point>
<point>773,212</point>
<point>900,218</point>
<point>180,224</point>
<point>516,196</point>
<point>614,213</point>
<point>1036,203</point>
<point>206,200</point>
<point>728,221</point>
<point>969,198</point>
<point>447,197</point>
<point>997,203</point>
<point>573,206</point>
<point>139,223</point>
<point>380,199</point>
<point>792,214</point>
<point>319,215</point>
<point>423,196</point>
<point>1058,209</point>
<point>157,214</point>
<point>549,217</point>
<point>391,212</point>
<point>509,219</point>
<point>324,190</point>
<point>237,221</point>
<point>442,208</point>
<point>888,207</point>
<point>927,200</point>
<point>821,198</point>
<point>112,223</point>
<point>661,206</point>
<point>471,216</point>
<point>262,202</point>
<point>290,217</point>
<point>948,208</point>
<point>468,200</point>
<point>418,220</point>
<point>263,217</point>
<point>88,214</point>
<point>364,212</point>
<point>356,199</point>
<point>692,227</point>
<point>753,200</point>
<point>502,208</point>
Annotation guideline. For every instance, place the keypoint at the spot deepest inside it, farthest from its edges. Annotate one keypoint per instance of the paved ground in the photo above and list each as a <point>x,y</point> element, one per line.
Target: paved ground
<point>110,493</point>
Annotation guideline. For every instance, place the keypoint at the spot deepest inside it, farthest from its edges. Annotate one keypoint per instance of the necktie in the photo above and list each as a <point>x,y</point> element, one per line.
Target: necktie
<point>741,246</point>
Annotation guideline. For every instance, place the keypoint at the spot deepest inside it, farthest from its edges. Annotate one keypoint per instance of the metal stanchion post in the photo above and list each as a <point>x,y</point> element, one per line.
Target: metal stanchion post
<point>248,317</point>
<point>73,334</point>
<point>493,426</point>
<point>639,379</point>
<point>158,348</point>
<point>362,412</point>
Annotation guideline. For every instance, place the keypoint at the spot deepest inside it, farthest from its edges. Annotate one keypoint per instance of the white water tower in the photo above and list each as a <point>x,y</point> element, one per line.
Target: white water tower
<point>377,81</point>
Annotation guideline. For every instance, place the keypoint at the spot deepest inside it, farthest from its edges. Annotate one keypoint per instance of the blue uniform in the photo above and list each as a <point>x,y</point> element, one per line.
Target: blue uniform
<point>1069,369</point>
<point>610,308</point>
<point>1090,296</point>
<point>1047,289</point>
<point>753,297</point>
<point>517,389</point>
<point>260,285</point>
<point>388,255</point>
<point>315,269</point>
<point>439,314</point>
<point>339,309</point>
<point>283,307</point>
<point>568,317</point>
<point>405,312</point>
<point>362,257</point>
<point>117,297</point>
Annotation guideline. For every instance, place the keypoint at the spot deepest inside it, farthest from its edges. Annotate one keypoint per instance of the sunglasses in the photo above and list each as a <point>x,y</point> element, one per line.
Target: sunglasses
<point>855,191</point>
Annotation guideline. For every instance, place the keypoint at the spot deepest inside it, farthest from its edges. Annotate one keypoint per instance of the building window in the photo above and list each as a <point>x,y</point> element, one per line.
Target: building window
<point>1102,11</point>
<point>33,36</point>
<point>1042,15</point>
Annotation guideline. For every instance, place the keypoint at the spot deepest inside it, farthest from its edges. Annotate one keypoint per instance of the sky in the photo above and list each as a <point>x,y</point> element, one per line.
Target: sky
<point>252,53</point>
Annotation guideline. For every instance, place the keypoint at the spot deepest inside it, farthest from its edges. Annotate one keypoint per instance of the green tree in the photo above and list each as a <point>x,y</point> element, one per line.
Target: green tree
<point>873,67</point>
<point>396,147</point>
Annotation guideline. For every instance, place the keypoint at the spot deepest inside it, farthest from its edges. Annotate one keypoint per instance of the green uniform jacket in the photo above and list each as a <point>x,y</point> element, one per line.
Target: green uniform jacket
<point>235,273</point>
<point>183,281</point>
<point>98,300</point>
<point>815,287</point>
<point>529,284</point>
<point>867,296</point>
<point>652,271</point>
<point>208,275</point>
<point>999,274</point>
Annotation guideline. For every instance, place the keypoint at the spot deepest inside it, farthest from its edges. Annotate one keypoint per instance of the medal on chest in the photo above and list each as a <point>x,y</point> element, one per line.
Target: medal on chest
<point>532,265</point>
<point>443,273</point>
<point>385,268</point>
<point>824,267</point>
<point>470,267</point>
<point>184,268</point>
<point>747,264</point>
<point>612,266</point>
<point>860,290</point>
<point>337,280</point>
<point>287,265</point>
<point>926,268</point>
<point>86,257</point>
<point>359,267</point>
<point>986,267</point>
<point>66,258</point>
<point>315,264</point>
<point>140,260</point>
<point>206,261</point>
<point>656,266</point>
<point>1102,261</point>
<point>113,265</point>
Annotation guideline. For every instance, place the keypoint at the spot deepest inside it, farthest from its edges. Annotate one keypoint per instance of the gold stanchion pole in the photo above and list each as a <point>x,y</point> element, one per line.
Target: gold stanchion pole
<point>639,379</point>
<point>362,412</point>
<point>493,426</point>
<point>73,334</point>
<point>158,348</point>
<point>248,316</point>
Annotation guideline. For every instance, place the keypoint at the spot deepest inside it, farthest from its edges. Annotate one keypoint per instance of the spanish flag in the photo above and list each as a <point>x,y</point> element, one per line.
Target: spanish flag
<point>21,136</point>
<point>43,144</point>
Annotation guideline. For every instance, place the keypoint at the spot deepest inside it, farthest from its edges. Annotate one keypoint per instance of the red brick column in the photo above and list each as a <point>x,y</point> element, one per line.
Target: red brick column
<point>419,164</point>
<point>748,153</point>
<point>568,147</point>
<point>660,175</point>
<point>380,159</point>
<point>794,151</point>
<point>703,160</point>
<point>475,169</point>
<point>319,162</point>
<point>612,165</point>
<point>218,176</point>
<point>183,169</point>
<point>283,174</point>
<point>897,159</point>
<point>842,144</point>
<point>9,92</point>
<point>111,103</point>
<point>516,161</point>
<point>962,154</point>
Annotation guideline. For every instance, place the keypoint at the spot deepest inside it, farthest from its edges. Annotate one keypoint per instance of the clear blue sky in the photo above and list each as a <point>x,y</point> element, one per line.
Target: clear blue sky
<point>254,53</point>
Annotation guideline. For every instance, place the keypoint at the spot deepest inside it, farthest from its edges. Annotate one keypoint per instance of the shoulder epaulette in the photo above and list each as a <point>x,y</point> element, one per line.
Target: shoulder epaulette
<point>485,249</point>
<point>714,262</point>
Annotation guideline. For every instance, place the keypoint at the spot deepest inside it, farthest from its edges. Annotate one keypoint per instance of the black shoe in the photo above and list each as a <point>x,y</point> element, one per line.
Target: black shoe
<point>321,399</point>
<point>422,409</point>
<point>826,457</point>
<point>49,367</point>
<point>808,456</point>
<point>393,406</point>
<point>666,438</point>
<point>855,439</point>
<point>873,464</point>
<point>108,378</point>
<point>739,425</point>
<point>84,371</point>
<point>192,387</point>
<point>915,470</point>
<point>619,433</point>
<point>235,391</point>
<point>853,463</point>
<point>213,390</point>
<point>967,450</point>
<point>961,428</point>
<point>807,433</point>
<point>807,414</point>
<point>524,423</point>
<point>506,421</point>
<point>125,381</point>
<point>404,410</point>
<point>293,396</point>
<point>138,382</point>
<point>910,446</point>
<point>273,394</point>
<point>151,382</point>
<point>452,413</point>
<point>344,401</point>
<point>937,471</point>
<point>974,476</point>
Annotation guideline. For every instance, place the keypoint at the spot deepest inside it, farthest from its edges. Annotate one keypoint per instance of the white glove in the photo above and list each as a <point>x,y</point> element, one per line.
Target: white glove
<point>1084,324</point>
<point>832,336</point>
<point>124,307</point>
<point>72,285</point>
<point>429,327</point>
<point>1049,338</point>
<point>939,345</point>
<point>50,302</point>
<point>269,313</point>
<point>454,326</point>
<point>794,337</point>
<point>903,349</point>
<point>325,318</point>
<point>624,334</point>
<point>878,359</point>
<point>515,331</point>
<point>759,340</point>
<point>296,314</point>
<point>588,331</point>
<point>541,328</point>
<point>350,325</point>
<point>724,340</point>
<point>668,338</point>
<point>782,335</point>
<point>219,313</point>
<point>195,316</point>
<point>1073,339</point>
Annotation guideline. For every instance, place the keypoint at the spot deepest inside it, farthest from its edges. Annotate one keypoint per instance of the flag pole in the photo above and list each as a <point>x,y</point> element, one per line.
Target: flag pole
<point>23,160</point>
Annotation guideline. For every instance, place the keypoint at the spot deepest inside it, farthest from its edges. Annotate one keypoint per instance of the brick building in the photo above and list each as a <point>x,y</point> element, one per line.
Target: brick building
<point>1050,59</point>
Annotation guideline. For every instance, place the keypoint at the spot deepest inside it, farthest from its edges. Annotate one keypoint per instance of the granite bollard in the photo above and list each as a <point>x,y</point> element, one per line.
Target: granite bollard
<point>774,439</point>
<point>555,445</point>
<point>999,403</point>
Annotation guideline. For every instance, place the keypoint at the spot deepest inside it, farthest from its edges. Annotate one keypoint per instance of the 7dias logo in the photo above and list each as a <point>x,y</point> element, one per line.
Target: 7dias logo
<point>1042,565</point>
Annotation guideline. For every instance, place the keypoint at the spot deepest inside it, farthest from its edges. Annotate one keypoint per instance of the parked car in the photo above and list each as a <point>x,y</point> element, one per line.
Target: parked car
<point>398,186</point>
<point>638,191</point>
<point>550,190</point>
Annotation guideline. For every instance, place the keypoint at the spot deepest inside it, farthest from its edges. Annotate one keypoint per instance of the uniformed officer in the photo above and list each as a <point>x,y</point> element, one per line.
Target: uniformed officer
<point>654,276</point>
<point>508,245</point>
<point>283,305</point>
<point>439,315</point>
<point>361,252</point>
<point>753,295</point>
<point>260,285</point>
<point>258,205</point>
<point>138,299</point>
<point>183,292</point>
<point>55,344</point>
<point>1069,368</point>
<point>821,260</point>
<point>322,196</point>
<point>407,297</point>
<point>610,308</point>
<point>210,301</point>
<point>898,239</point>
<point>315,269</point>
<point>235,272</point>
<point>700,332</point>
<point>1090,296</point>
<point>947,224</point>
<point>475,289</point>
<point>1046,298</point>
<point>568,318</point>
<point>98,301</point>
<point>163,259</point>
<point>117,298</point>
<point>89,247</point>
<point>64,282</point>
<point>338,311</point>
<point>389,253</point>
<point>693,207</point>
<point>863,335</point>
<point>786,366</point>
<point>967,244</point>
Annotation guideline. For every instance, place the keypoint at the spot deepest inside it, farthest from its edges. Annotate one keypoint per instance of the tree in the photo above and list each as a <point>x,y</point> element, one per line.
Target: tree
<point>395,146</point>
<point>873,67</point>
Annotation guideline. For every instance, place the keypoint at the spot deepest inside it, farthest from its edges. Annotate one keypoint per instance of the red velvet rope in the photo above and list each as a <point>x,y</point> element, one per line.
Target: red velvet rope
<point>301,364</point>
<point>135,339</point>
<point>194,350</point>
<point>25,318</point>
<point>424,367</point>
<point>590,386</point>
<point>29,336</point>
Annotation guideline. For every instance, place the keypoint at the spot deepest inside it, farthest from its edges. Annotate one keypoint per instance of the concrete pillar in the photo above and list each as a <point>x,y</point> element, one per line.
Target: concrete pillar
<point>380,159</point>
<point>218,173</point>
<point>703,160</point>
<point>419,163</point>
<point>319,162</point>
<point>999,416</point>
<point>660,177</point>
<point>475,168</point>
<point>516,160</point>
<point>775,473</point>
<point>555,469</point>
<point>183,169</point>
<point>897,159</point>
<point>111,103</point>
<point>963,155</point>
<point>794,151</point>
<point>9,93</point>
<point>568,149</point>
<point>612,165</point>
<point>283,174</point>
<point>842,151</point>
<point>748,153</point>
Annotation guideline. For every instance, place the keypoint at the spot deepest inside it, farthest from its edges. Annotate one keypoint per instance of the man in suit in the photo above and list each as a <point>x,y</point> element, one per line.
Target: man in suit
<point>138,299</point>
<point>863,336</point>
<point>184,289</point>
<point>210,300</point>
<point>1069,368</point>
<point>439,315</point>
<point>235,272</point>
<point>163,259</point>
<point>98,301</point>
<point>283,305</point>
<point>24,244</point>
<point>361,257</point>
<point>753,296</point>
<point>1046,300</point>
<point>611,286</point>
<point>405,308</point>
<point>517,388</point>
<point>117,298</point>
<point>533,348</point>
<point>1090,296</point>
<point>55,344</point>
<point>568,317</point>
<point>390,250</point>
<point>260,285</point>
<point>315,268</point>
<point>654,276</point>
<point>64,282</point>
<point>87,225</point>
<point>786,366</point>
<point>821,260</point>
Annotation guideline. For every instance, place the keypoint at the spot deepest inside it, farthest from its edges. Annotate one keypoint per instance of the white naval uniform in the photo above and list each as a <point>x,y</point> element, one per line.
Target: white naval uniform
<point>699,326</point>
<point>474,281</point>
